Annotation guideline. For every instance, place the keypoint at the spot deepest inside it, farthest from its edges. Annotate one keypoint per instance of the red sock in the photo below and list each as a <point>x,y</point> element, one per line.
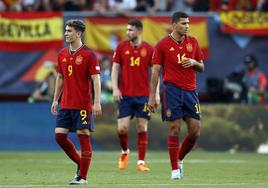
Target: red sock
<point>142,144</point>
<point>173,149</point>
<point>187,144</point>
<point>86,153</point>
<point>68,147</point>
<point>123,139</point>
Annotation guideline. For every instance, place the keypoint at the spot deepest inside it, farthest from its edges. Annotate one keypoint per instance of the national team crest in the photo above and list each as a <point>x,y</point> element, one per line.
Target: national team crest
<point>168,113</point>
<point>189,47</point>
<point>79,60</point>
<point>143,52</point>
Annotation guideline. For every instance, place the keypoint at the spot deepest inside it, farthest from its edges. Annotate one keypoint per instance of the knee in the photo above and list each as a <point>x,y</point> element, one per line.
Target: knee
<point>141,128</point>
<point>194,133</point>
<point>174,130</point>
<point>122,129</point>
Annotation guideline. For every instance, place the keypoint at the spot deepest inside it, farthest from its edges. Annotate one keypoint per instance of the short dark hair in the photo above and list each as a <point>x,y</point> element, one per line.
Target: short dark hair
<point>136,23</point>
<point>250,58</point>
<point>177,15</point>
<point>77,24</point>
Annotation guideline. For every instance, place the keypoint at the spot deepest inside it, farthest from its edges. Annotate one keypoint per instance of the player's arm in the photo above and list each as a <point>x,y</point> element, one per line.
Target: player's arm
<point>116,92</point>
<point>57,93</point>
<point>197,65</point>
<point>157,93</point>
<point>153,86</point>
<point>96,109</point>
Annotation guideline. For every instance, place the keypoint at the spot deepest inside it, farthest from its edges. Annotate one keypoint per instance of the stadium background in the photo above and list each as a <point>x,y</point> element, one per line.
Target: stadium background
<point>26,126</point>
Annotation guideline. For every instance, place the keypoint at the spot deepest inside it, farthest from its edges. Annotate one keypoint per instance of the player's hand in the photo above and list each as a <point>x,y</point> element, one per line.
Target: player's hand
<point>96,109</point>
<point>188,62</point>
<point>54,107</point>
<point>117,95</point>
<point>152,105</point>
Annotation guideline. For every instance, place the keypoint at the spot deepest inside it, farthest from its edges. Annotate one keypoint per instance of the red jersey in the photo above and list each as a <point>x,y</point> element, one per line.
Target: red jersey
<point>169,53</point>
<point>77,69</point>
<point>135,64</point>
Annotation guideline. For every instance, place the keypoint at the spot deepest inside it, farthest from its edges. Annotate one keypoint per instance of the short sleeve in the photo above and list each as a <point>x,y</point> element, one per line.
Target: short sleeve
<point>94,67</point>
<point>59,69</point>
<point>199,54</point>
<point>157,55</point>
<point>117,55</point>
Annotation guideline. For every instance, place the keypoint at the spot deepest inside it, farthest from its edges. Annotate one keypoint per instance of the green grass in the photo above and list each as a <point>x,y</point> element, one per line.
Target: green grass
<point>202,169</point>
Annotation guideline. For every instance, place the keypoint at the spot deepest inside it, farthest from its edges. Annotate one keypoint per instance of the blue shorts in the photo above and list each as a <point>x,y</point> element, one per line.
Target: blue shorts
<point>178,103</point>
<point>133,106</point>
<point>75,120</point>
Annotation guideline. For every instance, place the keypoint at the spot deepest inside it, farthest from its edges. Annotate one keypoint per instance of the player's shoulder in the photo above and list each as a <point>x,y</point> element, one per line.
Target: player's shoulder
<point>163,41</point>
<point>191,38</point>
<point>147,44</point>
<point>123,43</point>
<point>63,51</point>
<point>88,51</point>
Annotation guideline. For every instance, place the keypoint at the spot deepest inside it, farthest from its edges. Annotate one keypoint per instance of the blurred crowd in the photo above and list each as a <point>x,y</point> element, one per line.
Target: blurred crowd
<point>126,7</point>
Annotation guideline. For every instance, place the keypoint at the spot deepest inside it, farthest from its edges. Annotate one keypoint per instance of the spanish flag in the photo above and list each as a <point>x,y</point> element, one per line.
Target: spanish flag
<point>104,34</point>
<point>30,31</point>
<point>247,23</point>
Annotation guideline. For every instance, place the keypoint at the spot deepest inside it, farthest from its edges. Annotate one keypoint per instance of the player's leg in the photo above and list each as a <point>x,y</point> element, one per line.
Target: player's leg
<point>142,142</point>
<point>192,118</point>
<point>83,123</point>
<point>173,147</point>
<point>172,99</point>
<point>193,127</point>
<point>122,132</point>
<point>63,124</point>
<point>123,121</point>
<point>143,115</point>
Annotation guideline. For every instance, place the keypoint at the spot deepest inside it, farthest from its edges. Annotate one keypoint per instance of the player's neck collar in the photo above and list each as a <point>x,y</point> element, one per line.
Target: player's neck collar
<point>135,45</point>
<point>177,41</point>
<point>71,51</point>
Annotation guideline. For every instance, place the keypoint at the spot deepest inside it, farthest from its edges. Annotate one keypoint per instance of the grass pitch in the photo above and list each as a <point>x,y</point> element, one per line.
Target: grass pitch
<point>202,169</point>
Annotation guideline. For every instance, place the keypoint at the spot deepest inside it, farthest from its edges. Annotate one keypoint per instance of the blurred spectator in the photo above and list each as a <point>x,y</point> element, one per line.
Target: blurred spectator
<point>262,5</point>
<point>73,5</point>
<point>185,5</point>
<point>45,77</point>
<point>200,5</point>
<point>106,81</point>
<point>101,7</point>
<point>222,5</point>
<point>148,6</point>
<point>245,5</point>
<point>122,7</point>
<point>255,81</point>
<point>229,5</point>
<point>11,5</point>
<point>43,5</point>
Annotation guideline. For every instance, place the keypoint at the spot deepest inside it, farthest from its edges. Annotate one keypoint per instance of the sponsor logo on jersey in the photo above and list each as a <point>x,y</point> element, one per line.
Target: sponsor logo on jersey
<point>127,52</point>
<point>64,60</point>
<point>84,122</point>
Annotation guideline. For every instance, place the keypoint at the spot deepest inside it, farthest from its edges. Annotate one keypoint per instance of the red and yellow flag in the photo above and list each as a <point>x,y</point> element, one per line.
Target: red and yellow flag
<point>103,34</point>
<point>30,31</point>
<point>249,23</point>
